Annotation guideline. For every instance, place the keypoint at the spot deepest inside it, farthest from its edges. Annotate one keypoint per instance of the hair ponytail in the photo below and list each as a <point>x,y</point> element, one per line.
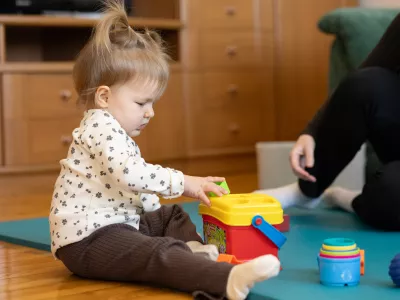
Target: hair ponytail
<point>116,53</point>
<point>113,28</point>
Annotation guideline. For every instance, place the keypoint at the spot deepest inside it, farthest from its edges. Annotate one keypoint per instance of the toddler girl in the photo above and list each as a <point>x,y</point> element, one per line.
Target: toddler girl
<point>106,220</point>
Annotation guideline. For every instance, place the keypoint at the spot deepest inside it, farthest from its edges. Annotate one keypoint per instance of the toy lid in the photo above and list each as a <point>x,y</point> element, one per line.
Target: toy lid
<point>339,242</point>
<point>239,209</point>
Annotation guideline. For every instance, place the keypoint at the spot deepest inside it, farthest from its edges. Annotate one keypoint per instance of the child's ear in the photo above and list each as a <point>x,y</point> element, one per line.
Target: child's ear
<point>101,97</point>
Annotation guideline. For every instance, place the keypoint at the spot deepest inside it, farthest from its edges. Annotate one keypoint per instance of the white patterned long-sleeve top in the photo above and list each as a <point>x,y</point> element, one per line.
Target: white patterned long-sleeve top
<point>104,180</point>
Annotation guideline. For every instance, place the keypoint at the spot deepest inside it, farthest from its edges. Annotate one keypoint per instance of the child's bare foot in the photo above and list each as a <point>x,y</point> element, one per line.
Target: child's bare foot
<point>243,276</point>
<point>209,251</point>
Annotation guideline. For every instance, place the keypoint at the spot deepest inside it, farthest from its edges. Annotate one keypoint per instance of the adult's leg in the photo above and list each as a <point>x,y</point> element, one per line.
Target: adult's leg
<point>379,203</point>
<point>121,253</point>
<point>364,106</point>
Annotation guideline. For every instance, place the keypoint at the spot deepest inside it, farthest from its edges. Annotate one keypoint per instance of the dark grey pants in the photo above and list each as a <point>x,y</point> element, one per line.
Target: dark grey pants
<point>156,254</point>
<point>365,106</point>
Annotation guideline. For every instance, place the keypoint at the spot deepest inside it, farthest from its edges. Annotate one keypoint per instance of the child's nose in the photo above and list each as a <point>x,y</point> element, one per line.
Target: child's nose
<point>149,113</point>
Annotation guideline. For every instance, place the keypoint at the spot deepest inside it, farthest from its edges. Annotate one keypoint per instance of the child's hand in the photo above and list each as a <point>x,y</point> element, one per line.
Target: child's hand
<point>198,187</point>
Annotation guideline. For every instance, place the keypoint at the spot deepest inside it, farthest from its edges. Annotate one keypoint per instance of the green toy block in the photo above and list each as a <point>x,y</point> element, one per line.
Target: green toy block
<point>221,184</point>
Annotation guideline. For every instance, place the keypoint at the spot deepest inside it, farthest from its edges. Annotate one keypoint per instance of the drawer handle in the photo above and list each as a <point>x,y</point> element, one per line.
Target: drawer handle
<point>66,139</point>
<point>230,10</point>
<point>65,95</point>
<point>232,89</point>
<point>234,128</point>
<point>231,50</point>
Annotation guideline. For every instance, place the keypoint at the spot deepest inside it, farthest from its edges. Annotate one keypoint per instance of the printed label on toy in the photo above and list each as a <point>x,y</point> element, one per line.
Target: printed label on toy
<point>215,235</point>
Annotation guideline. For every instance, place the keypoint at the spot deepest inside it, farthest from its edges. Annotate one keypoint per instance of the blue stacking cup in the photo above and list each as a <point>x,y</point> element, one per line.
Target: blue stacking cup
<point>339,272</point>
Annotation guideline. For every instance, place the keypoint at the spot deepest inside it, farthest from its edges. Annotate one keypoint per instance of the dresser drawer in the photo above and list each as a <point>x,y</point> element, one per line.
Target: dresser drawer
<point>232,90</point>
<point>222,130</point>
<point>233,49</point>
<point>35,142</point>
<point>226,14</point>
<point>41,95</point>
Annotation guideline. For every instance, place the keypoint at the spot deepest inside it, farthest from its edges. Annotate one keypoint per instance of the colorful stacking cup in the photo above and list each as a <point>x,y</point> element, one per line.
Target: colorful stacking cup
<point>340,262</point>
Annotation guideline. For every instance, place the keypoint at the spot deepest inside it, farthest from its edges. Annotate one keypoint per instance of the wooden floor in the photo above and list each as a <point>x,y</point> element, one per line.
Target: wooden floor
<point>27,273</point>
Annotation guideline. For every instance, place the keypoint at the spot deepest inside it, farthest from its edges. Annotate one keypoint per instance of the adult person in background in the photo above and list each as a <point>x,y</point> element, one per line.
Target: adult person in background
<point>364,107</point>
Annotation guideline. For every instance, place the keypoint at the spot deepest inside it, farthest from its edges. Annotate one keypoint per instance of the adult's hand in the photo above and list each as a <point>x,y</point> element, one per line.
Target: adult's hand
<point>302,156</point>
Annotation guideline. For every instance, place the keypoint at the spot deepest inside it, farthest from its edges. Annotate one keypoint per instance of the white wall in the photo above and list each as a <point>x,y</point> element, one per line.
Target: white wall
<point>380,3</point>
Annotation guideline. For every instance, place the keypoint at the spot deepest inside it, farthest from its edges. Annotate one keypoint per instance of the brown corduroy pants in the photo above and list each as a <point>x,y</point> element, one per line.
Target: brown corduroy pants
<point>155,254</point>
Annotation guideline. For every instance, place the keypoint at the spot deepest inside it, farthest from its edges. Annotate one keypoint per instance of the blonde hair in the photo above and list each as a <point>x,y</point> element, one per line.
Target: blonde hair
<point>116,54</point>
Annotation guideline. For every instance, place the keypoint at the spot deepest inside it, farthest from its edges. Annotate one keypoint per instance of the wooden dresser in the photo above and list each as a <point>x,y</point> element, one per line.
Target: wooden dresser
<point>218,104</point>
<point>227,60</point>
<point>228,65</point>
<point>230,82</point>
<point>39,112</point>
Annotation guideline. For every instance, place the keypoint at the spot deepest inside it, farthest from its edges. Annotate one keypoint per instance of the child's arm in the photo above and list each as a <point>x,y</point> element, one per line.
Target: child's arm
<point>116,153</point>
<point>150,202</point>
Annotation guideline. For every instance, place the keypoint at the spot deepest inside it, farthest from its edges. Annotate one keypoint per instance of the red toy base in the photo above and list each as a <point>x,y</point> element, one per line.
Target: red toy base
<point>285,226</point>
<point>243,242</point>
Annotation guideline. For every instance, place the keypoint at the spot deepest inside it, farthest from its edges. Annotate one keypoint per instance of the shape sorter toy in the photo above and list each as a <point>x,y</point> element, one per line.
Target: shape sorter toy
<point>243,225</point>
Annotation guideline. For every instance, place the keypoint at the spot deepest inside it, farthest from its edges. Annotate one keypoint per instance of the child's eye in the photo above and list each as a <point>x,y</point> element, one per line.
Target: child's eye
<point>140,104</point>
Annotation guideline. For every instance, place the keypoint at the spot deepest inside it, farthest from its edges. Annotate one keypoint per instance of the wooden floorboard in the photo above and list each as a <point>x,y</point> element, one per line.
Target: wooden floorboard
<point>27,273</point>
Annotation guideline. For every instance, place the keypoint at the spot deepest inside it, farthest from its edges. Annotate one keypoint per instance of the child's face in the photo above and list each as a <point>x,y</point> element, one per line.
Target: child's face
<point>132,106</point>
